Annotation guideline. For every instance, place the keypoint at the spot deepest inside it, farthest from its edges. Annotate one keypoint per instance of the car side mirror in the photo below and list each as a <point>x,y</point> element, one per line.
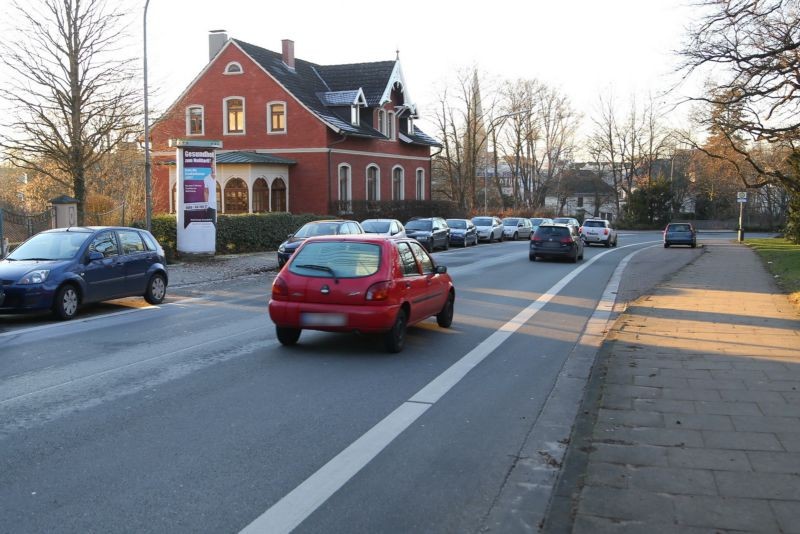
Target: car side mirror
<point>289,236</point>
<point>94,256</point>
<point>441,269</point>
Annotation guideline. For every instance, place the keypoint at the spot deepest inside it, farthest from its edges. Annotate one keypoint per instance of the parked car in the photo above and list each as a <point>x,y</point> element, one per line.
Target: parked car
<point>462,232</point>
<point>556,241</point>
<point>489,228</point>
<point>387,227</point>
<point>598,231</point>
<point>516,227</point>
<point>432,232</point>
<point>366,284</point>
<point>572,221</point>
<point>680,234</point>
<point>62,269</point>
<point>315,228</point>
<point>536,221</point>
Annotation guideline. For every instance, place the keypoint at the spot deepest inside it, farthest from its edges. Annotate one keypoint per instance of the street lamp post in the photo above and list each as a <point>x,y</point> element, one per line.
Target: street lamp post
<point>147,177</point>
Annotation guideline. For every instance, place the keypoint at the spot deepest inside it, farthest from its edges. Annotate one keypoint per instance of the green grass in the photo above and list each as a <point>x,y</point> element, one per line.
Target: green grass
<point>782,258</point>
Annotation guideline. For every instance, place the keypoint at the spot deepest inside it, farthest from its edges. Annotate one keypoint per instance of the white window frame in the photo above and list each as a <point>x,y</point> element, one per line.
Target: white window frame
<point>402,182</point>
<point>226,129</point>
<point>410,126</point>
<point>390,125</point>
<point>419,176</point>
<point>355,115</point>
<point>233,64</point>
<point>189,119</point>
<point>349,178</point>
<point>377,182</point>
<point>382,121</point>
<point>269,118</point>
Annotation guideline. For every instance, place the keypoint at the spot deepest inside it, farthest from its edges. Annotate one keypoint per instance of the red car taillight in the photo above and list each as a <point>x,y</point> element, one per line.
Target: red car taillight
<point>379,290</point>
<point>566,240</point>
<point>605,232</point>
<point>580,230</point>
<point>279,288</point>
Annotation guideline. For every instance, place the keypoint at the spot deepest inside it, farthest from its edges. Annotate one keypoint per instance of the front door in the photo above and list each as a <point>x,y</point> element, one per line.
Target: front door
<point>105,278</point>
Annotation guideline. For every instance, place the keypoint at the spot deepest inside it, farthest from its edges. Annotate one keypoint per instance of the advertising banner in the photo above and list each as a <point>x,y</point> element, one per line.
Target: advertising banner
<point>197,192</point>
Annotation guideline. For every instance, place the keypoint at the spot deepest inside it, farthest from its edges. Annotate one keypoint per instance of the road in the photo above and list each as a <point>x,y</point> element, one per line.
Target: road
<point>190,417</point>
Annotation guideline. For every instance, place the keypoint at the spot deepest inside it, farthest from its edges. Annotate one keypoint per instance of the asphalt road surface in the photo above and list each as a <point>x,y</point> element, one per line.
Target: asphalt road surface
<point>190,417</point>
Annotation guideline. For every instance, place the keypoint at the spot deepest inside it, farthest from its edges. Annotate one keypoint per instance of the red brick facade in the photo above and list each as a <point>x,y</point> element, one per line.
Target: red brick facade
<point>317,149</point>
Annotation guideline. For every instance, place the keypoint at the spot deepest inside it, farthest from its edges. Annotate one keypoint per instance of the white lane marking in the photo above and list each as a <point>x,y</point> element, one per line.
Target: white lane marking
<point>291,510</point>
<point>82,320</point>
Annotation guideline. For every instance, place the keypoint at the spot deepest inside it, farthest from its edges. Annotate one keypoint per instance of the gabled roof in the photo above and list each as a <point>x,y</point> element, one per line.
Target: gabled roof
<point>328,91</point>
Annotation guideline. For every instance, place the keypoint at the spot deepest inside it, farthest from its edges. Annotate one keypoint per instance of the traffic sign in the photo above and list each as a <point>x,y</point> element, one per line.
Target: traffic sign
<point>741,196</point>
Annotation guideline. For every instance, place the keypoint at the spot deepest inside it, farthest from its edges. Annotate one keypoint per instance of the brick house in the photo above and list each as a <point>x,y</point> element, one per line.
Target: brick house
<point>296,136</point>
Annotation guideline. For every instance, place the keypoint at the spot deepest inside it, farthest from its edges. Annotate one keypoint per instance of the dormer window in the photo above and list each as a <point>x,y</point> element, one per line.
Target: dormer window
<point>234,67</point>
<point>355,115</point>
<point>410,126</point>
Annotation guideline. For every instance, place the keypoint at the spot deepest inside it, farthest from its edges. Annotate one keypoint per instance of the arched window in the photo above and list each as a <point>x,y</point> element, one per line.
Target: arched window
<point>344,187</point>
<point>278,197</point>
<point>397,183</point>
<point>373,183</point>
<point>236,200</point>
<point>420,184</point>
<point>194,120</point>
<point>234,67</point>
<point>260,196</point>
<point>382,121</point>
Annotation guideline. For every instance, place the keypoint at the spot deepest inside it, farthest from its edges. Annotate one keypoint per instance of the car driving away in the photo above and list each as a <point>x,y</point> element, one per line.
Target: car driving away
<point>598,231</point>
<point>680,234</point>
<point>360,284</point>
<point>556,241</point>
<point>60,270</point>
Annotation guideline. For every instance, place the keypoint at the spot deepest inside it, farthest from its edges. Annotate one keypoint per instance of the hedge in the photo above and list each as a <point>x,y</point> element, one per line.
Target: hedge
<point>254,232</point>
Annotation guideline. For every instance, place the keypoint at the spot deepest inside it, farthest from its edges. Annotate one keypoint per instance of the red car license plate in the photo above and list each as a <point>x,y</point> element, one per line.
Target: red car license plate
<point>323,319</point>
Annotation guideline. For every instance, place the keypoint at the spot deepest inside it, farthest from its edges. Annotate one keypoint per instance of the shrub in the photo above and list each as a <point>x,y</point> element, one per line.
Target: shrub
<point>255,232</point>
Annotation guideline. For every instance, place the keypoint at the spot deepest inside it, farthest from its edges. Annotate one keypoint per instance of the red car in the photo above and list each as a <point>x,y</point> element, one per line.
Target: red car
<point>360,283</point>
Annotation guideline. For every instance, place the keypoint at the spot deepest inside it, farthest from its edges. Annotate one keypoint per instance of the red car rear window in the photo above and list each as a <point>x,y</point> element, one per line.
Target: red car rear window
<point>336,259</point>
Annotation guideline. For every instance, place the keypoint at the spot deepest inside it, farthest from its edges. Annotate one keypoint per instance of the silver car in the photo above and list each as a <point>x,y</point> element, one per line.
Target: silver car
<point>489,228</point>
<point>387,227</point>
<point>516,227</point>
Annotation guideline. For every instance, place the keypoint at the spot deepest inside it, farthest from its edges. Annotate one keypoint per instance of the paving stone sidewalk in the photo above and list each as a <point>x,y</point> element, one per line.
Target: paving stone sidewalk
<point>693,423</point>
<point>223,267</point>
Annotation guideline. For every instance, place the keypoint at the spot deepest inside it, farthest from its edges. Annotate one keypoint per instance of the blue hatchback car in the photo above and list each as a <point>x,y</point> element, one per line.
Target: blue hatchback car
<point>61,269</point>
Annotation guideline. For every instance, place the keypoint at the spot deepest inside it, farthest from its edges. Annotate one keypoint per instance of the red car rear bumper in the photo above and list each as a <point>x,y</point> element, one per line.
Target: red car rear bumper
<point>333,318</point>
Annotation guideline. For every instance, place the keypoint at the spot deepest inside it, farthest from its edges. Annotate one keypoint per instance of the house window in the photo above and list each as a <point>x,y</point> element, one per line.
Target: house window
<point>234,115</point>
<point>397,183</point>
<point>278,196</point>
<point>355,115</point>
<point>236,200</point>
<point>390,125</point>
<point>410,126</point>
<point>382,121</point>
<point>260,196</point>
<point>194,120</point>
<point>344,187</point>
<point>373,183</point>
<point>420,184</point>
<point>234,67</point>
<point>277,117</point>
<point>580,202</point>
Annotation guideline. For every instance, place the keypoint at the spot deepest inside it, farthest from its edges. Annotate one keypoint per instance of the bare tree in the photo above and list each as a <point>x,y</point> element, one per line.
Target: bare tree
<point>753,49</point>
<point>71,95</point>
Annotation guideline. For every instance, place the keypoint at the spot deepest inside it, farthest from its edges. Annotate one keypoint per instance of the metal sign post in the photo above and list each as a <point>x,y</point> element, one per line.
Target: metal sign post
<point>741,198</point>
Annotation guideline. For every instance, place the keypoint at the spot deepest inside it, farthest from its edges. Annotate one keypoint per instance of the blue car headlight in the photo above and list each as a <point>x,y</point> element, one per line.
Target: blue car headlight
<point>34,277</point>
<point>282,248</point>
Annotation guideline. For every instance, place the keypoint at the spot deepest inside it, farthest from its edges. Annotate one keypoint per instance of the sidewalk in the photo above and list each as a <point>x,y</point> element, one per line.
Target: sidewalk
<point>692,416</point>
<point>223,267</point>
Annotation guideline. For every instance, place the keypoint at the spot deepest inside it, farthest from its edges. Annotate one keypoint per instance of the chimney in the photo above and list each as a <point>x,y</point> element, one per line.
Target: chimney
<point>288,53</point>
<point>216,40</point>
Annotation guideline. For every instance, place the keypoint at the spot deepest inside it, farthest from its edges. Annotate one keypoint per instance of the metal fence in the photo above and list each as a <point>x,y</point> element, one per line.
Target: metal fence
<point>17,227</point>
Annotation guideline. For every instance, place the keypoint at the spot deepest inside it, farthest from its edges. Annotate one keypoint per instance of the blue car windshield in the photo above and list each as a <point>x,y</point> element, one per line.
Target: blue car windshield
<point>50,246</point>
